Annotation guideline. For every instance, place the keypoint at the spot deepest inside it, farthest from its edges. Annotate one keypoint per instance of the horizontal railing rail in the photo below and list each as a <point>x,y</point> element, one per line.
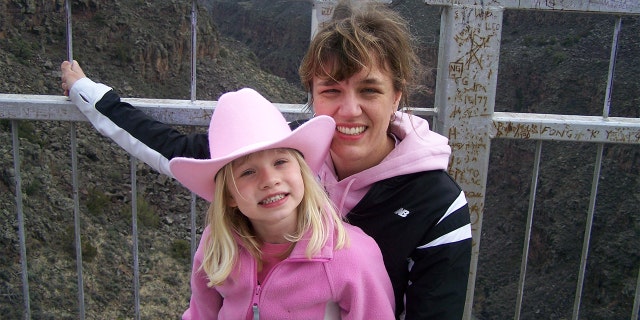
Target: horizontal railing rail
<point>508,125</point>
<point>171,111</point>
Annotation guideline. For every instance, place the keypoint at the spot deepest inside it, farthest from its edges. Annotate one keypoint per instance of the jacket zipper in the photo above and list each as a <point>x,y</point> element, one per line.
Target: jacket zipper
<point>256,295</point>
<point>254,307</point>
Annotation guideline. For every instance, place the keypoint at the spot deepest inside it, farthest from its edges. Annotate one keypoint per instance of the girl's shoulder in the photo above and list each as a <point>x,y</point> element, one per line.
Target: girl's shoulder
<point>355,231</point>
<point>360,256</point>
<point>359,243</point>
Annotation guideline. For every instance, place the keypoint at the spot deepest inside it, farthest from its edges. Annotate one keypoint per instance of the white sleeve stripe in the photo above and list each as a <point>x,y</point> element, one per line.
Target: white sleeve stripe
<point>131,144</point>
<point>457,204</point>
<point>85,94</point>
<point>459,234</point>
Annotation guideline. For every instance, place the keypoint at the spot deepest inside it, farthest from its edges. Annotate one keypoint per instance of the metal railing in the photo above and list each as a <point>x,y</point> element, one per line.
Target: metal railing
<point>464,112</point>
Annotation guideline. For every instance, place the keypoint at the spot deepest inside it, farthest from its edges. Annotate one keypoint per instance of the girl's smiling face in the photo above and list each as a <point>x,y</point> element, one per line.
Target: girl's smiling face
<point>267,187</point>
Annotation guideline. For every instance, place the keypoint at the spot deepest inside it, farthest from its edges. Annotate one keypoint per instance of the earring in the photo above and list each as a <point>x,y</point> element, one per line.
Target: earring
<point>393,117</point>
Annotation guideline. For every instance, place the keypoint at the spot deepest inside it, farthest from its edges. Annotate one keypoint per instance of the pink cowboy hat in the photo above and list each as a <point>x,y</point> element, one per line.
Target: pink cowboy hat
<point>244,122</point>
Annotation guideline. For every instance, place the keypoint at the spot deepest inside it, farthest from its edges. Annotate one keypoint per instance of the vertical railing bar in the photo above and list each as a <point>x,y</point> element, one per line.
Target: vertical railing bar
<point>134,236</point>
<point>20,213</point>
<point>194,48</point>
<point>527,237</point>
<point>74,177</point>
<point>76,218</point>
<point>635,313</point>
<point>587,231</point>
<point>194,51</point>
<point>612,67</point>
<point>67,4</point>
<point>596,174</point>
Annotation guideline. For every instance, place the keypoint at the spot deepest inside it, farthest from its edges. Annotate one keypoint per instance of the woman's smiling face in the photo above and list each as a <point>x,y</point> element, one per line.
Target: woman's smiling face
<point>362,106</point>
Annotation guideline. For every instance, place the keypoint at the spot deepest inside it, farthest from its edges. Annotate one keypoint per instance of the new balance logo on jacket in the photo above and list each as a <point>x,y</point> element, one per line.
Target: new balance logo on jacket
<point>402,212</point>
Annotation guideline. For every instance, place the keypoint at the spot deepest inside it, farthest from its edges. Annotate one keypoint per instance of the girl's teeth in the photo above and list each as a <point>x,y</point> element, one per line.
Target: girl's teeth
<point>272,199</point>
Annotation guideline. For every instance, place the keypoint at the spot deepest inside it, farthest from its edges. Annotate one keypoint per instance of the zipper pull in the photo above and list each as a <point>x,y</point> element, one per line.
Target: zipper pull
<point>254,307</point>
<point>256,312</point>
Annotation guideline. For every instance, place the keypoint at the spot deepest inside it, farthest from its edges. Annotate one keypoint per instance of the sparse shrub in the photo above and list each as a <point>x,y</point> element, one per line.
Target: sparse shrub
<point>99,18</point>
<point>223,53</point>
<point>172,279</point>
<point>97,202</point>
<point>5,125</point>
<point>122,52</point>
<point>21,49</point>
<point>33,187</point>
<point>89,251</point>
<point>570,41</point>
<point>181,250</point>
<point>558,57</point>
<point>146,216</point>
<point>114,175</point>
<point>161,300</point>
<point>26,130</point>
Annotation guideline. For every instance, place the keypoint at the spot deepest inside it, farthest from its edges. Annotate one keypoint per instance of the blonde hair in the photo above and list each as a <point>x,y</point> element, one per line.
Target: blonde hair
<point>316,214</point>
<point>360,36</point>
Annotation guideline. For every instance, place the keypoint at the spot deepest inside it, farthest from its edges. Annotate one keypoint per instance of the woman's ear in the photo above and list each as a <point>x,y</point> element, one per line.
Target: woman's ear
<point>397,100</point>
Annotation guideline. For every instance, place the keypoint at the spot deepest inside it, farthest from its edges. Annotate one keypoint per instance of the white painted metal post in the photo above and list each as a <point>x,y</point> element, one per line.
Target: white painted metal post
<point>465,98</point>
<point>321,12</point>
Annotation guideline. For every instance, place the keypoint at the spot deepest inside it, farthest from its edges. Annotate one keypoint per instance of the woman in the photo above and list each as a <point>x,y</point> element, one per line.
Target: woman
<point>386,171</point>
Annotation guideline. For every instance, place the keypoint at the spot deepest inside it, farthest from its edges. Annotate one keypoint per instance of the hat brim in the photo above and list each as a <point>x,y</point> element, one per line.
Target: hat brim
<point>312,139</point>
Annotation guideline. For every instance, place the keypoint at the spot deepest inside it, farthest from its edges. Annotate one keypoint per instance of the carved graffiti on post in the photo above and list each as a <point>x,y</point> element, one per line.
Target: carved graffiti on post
<point>568,129</point>
<point>455,70</point>
<point>472,67</point>
<point>324,13</point>
<point>622,135</point>
<point>325,8</point>
<point>600,6</point>
<point>617,5</point>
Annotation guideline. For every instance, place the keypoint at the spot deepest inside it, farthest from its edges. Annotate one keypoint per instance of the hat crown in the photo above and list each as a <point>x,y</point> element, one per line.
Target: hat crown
<point>244,120</point>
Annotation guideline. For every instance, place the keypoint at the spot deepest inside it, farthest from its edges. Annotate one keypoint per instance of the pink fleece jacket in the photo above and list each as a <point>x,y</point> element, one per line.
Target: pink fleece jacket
<point>418,149</point>
<point>349,283</point>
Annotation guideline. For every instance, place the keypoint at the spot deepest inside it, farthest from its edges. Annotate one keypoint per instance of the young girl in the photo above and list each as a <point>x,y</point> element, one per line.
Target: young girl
<point>274,246</point>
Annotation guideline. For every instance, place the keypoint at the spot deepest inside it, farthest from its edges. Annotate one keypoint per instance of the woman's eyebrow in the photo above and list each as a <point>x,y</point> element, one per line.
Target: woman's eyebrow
<point>327,82</point>
<point>371,80</point>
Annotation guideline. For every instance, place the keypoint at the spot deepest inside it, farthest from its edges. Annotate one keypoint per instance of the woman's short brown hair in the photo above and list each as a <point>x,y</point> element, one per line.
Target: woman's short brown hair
<point>359,36</point>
